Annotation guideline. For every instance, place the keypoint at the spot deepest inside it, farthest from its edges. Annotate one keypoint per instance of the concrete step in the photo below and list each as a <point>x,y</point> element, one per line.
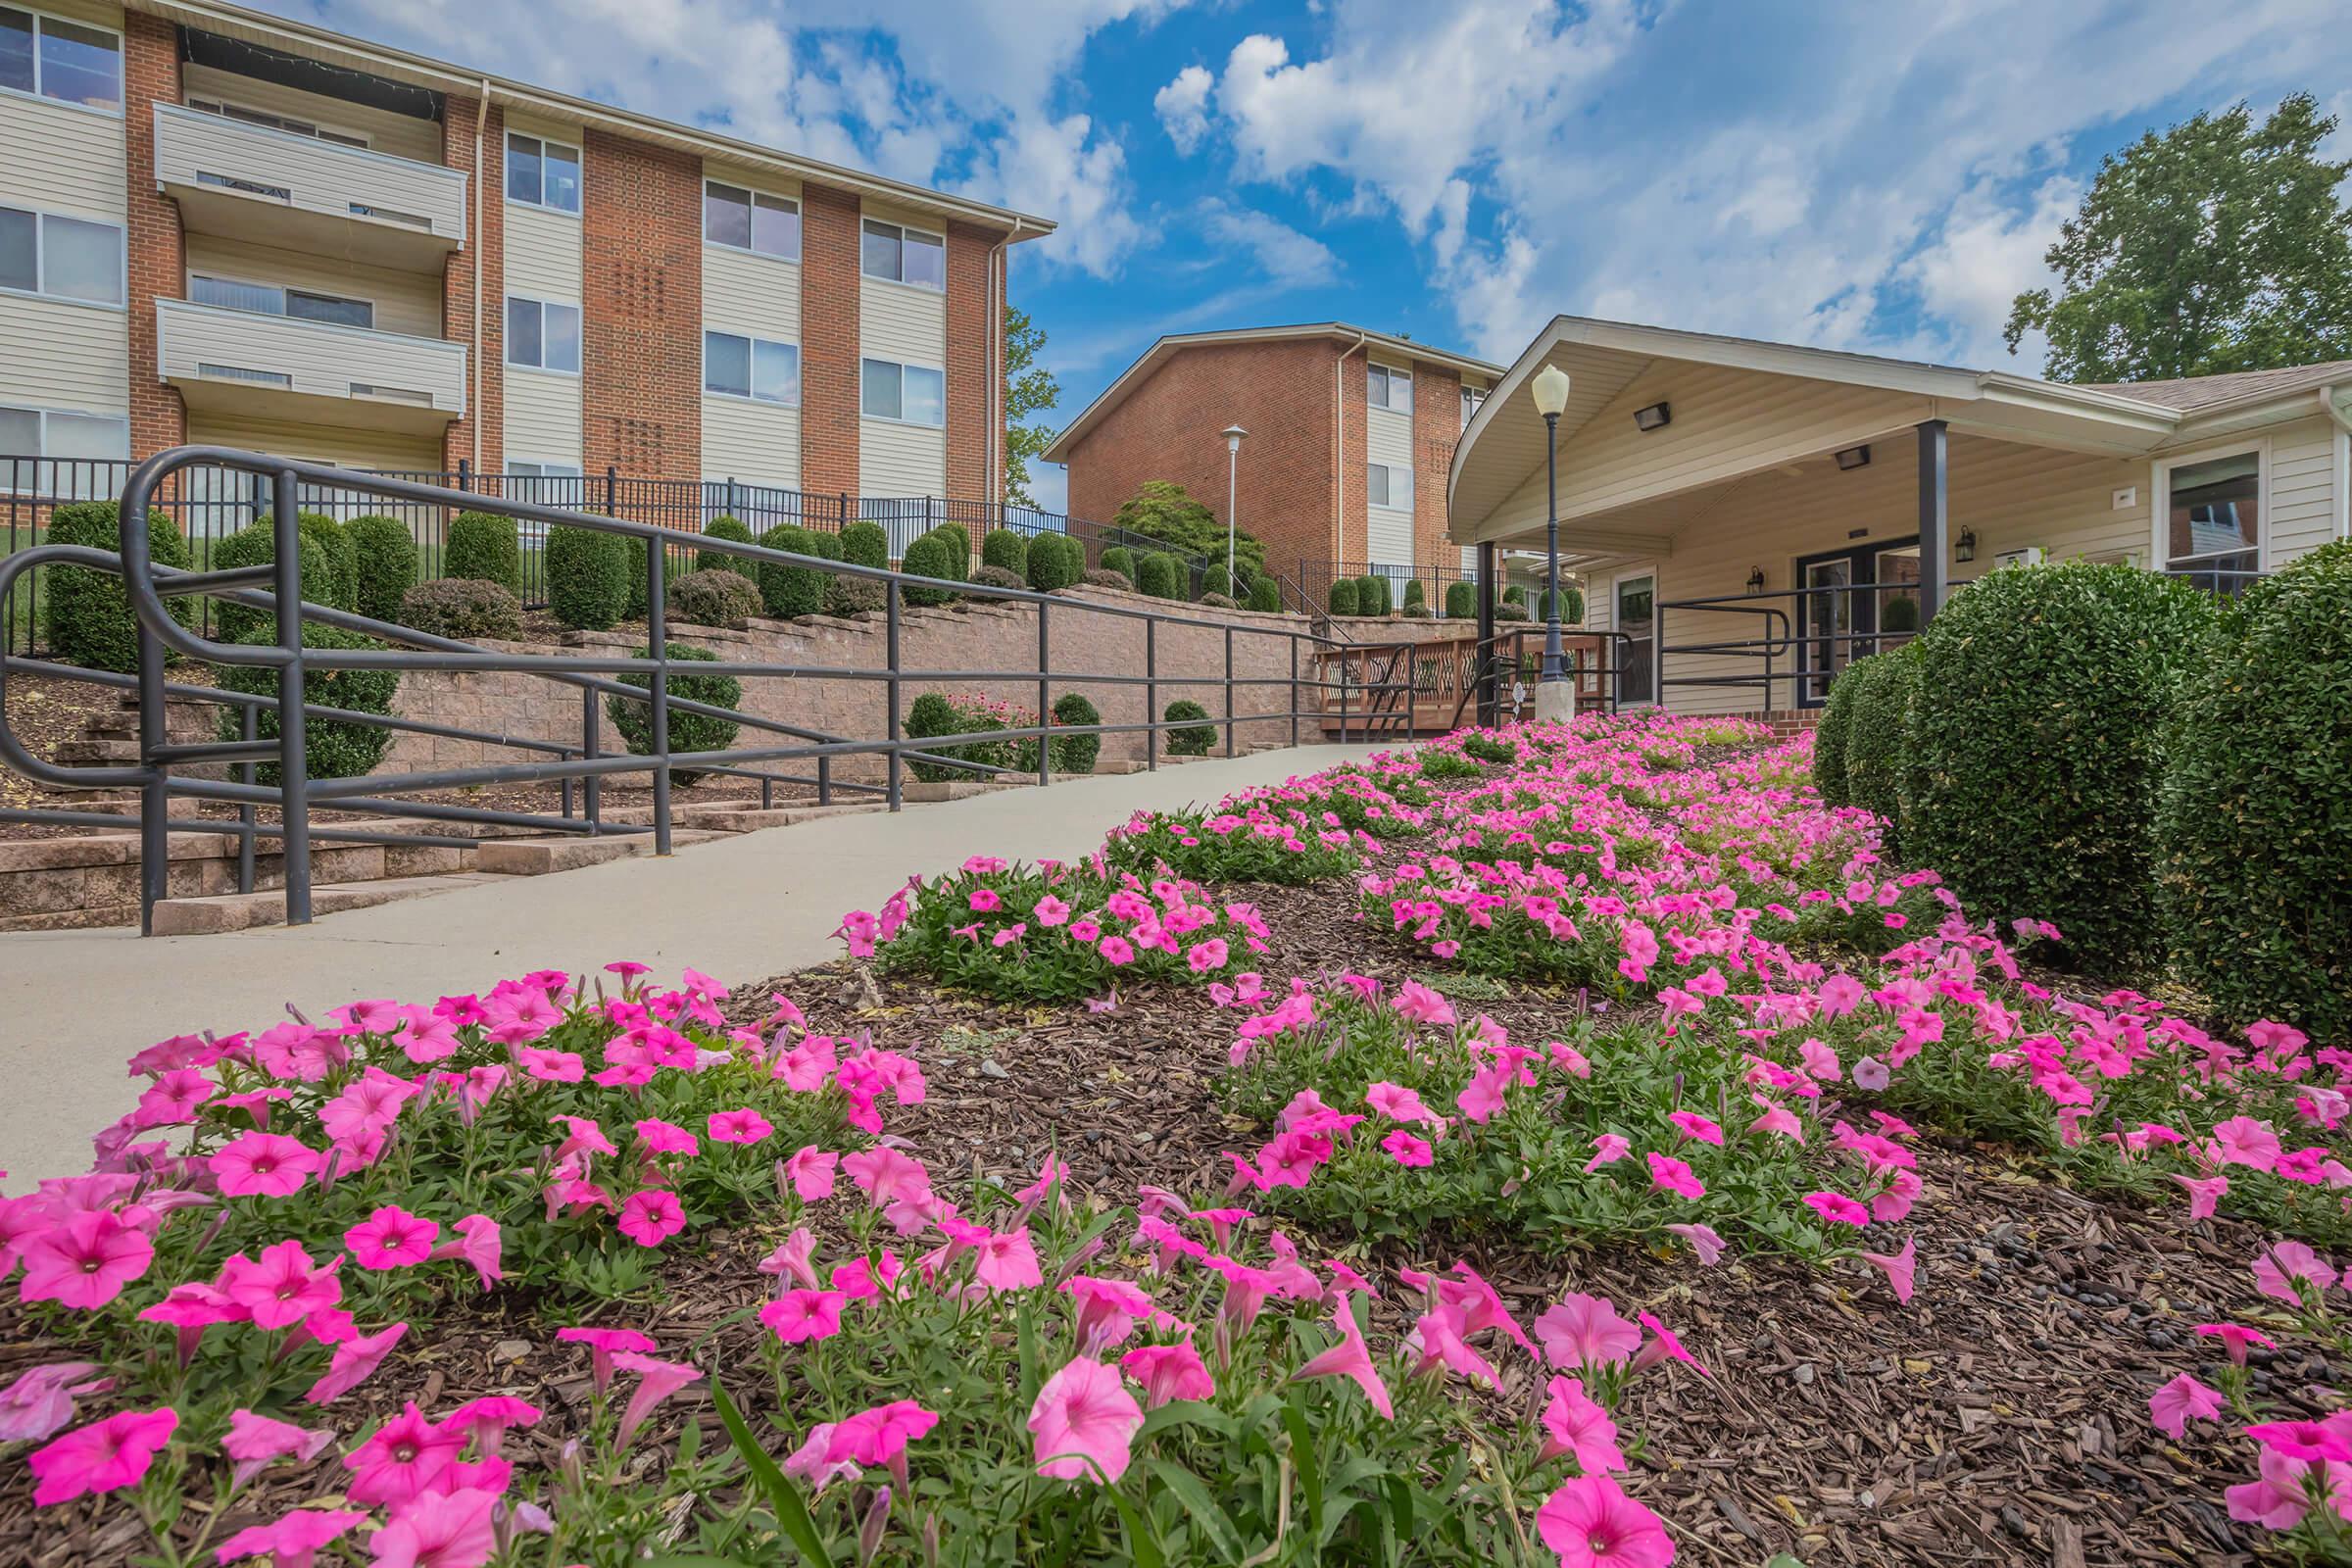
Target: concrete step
<point>242,912</point>
<point>96,753</point>
<point>727,816</point>
<point>920,789</point>
<point>541,857</point>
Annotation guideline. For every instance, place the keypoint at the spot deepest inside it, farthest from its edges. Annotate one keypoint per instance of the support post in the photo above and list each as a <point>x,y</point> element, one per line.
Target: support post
<point>1935,461</point>
<point>293,759</point>
<point>1294,688</point>
<point>246,814</point>
<point>1044,696</point>
<point>1152,694</point>
<point>890,608</point>
<point>1229,691</point>
<point>1485,668</point>
<point>591,787</point>
<point>657,647</point>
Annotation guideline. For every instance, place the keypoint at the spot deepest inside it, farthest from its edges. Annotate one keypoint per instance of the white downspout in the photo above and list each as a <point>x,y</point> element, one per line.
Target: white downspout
<point>1339,458</point>
<point>999,274</point>
<point>481,134</point>
<point>2341,471</point>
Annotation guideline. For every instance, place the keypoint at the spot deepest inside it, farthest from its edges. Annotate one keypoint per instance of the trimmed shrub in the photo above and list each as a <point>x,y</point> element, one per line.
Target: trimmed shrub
<point>1193,740</point>
<point>1342,600</point>
<point>342,562</point>
<point>383,555</point>
<point>633,716</point>
<point>1417,611</point>
<point>638,566</point>
<point>1055,560</point>
<point>1007,550</point>
<point>930,555</point>
<point>715,597</point>
<point>1900,616</point>
<point>865,543</point>
<point>465,608</point>
<point>1220,602</point>
<point>729,529</point>
<point>1511,610</point>
<point>1462,600</point>
<point>1265,594</point>
<point>482,545</point>
<point>587,577</point>
<point>254,545</point>
<point>1076,754</point>
<point>1099,578</point>
<point>1829,739</point>
<point>790,591</point>
<point>88,620</point>
<point>1515,594</point>
<point>996,578</point>
<point>1157,576</point>
<point>1879,714</point>
<point>1215,579</point>
<point>1415,594</point>
<point>331,748</point>
<point>1372,595</point>
<point>853,596</point>
<point>959,548</point>
<point>1121,560</point>
<point>1572,605</point>
<point>937,714</point>
<point>2254,831</point>
<point>2043,695</point>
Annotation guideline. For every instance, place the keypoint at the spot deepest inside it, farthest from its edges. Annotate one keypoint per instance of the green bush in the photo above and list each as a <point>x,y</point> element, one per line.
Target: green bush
<point>1876,744</point>
<point>1341,601</point>
<point>1900,616</point>
<point>987,576</point>
<point>588,578</point>
<point>2254,831</point>
<point>1417,611</point>
<point>342,560</point>
<point>384,555</point>
<point>1462,600</point>
<point>1830,738</point>
<point>1265,594</point>
<point>1098,577</point>
<point>1511,610</point>
<point>937,714</point>
<point>1169,514</point>
<point>1007,550</point>
<point>254,545</point>
<point>930,555</point>
<point>1156,575</point>
<point>1372,595</point>
<point>2043,695</point>
<point>728,529</point>
<point>715,597</point>
<point>1055,560</point>
<point>1193,740</point>
<point>853,596</point>
<point>1220,602</point>
<point>633,716</point>
<point>88,620</point>
<point>1214,579</point>
<point>1121,560</point>
<point>865,543</point>
<point>331,748</point>
<point>1076,754</point>
<point>790,591</point>
<point>639,553</point>
<point>1515,595</point>
<point>482,545</point>
<point>959,548</point>
<point>1415,594</point>
<point>1572,605</point>
<point>465,608</point>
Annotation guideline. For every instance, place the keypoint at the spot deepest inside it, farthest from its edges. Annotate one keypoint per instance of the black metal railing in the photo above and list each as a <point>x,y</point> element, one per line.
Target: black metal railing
<point>1312,581</point>
<point>578,767</point>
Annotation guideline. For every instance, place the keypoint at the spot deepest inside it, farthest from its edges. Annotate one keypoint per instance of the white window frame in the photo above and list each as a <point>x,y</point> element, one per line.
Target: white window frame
<point>44,414</point>
<point>282,290</point>
<point>1389,472</point>
<point>1473,398</point>
<point>800,228</point>
<point>2160,498</point>
<point>505,347</point>
<point>40,260</point>
<point>751,371</point>
<point>1609,642</point>
<point>242,114</point>
<point>580,162</point>
<point>902,367</point>
<point>37,96</point>
<point>1387,377</point>
<point>903,229</point>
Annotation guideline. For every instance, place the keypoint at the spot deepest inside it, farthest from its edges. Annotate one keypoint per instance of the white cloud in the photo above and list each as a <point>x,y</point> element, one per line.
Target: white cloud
<point>1182,108</point>
<point>1988,252</point>
<point>1281,257</point>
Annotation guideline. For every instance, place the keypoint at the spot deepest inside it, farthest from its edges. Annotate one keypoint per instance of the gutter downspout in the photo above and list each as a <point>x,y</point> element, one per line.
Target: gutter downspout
<point>481,133</point>
<point>1339,457</point>
<point>1000,275</point>
<point>2343,427</point>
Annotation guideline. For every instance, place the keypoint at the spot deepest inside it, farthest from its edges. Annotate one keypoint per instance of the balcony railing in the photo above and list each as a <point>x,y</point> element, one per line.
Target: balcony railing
<point>275,187</point>
<point>251,363</point>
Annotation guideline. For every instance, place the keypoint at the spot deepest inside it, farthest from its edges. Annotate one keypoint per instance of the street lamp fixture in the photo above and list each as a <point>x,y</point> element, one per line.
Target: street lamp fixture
<point>1550,392</point>
<point>1234,435</point>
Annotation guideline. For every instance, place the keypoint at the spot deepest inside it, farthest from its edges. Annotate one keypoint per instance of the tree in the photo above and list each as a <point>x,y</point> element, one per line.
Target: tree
<point>2217,246</point>
<point>1165,510</point>
<point>1029,388</point>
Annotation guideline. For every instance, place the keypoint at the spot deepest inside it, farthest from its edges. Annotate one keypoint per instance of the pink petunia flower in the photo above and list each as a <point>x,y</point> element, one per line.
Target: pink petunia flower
<point>401,1459</point>
<point>1838,1208</point>
<point>744,1126</point>
<point>1084,1422</point>
<point>294,1540</point>
<point>1169,1372</point>
<point>455,1529</point>
<point>40,1402</point>
<point>254,1441</point>
<point>651,1216</point>
<point>104,1456</point>
<point>1900,1269</point>
<point>1607,1150</point>
<point>2184,1400</point>
<point>479,1243</point>
<point>1406,1149</point>
<point>354,1361</point>
<point>392,1238</point>
<point>799,1316</point>
<point>1585,1330</point>
<point>1007,1261</point>
<point>602,1346</point>
<point>263,1165</point>
<point>1578,1427</point>
<point>84,1262</point>
<point>281,1287</point>
<point>1668,1174</point>
<point>1351,1358</point>
<point>1591,1523</point>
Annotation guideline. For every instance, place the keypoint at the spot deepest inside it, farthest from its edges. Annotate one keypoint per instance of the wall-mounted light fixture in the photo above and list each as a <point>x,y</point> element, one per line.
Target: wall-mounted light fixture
<point>1854,458</point>
<point>1756,582</point>
<point>1654,417</point>
<point>1964,548</point>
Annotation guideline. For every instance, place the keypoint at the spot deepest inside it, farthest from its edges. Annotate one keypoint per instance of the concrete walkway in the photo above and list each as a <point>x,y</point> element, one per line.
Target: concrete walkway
<point>74,1004</point>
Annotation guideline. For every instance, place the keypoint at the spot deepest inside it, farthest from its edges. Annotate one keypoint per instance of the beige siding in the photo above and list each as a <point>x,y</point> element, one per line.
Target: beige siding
<point>319,176</point>
<point>897,321</point>
<point>543,254</point>
<point>2303,510</point>
<point>400,135</point>
<point>901,459</point>
<point>404,301</point>
<point>543,263</point>
<point>60,158</point>
<point>58,356</point>
<point>753,295</point>
<point>350,448</point>
<point>543,416</point>
<point>758,443</point>
<point>323,361</point>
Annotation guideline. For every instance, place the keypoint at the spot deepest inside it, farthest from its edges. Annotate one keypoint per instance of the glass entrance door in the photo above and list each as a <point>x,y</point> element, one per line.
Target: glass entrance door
<point>1854,602</point>
<point>1638,619</point>
<point>1824,619</point>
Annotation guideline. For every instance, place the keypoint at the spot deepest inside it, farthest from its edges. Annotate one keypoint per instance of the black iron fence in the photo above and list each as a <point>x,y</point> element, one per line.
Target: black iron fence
<point>1312,581</point>
<point>783,753</point>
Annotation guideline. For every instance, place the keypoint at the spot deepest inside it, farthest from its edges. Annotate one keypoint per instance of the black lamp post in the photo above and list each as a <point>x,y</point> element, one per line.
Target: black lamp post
<point>1550,390</point>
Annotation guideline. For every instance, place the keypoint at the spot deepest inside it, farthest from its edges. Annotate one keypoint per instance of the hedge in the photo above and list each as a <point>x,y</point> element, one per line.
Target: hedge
<point>1572,605</point>
<point>254,545</point>
<point>2044,694</point>
<point>1076,754</point>
<point>1007,550</point>
<point>88,620</point>
<point>1462,600</point>
<point>331,748</point>
<point>865,543</point>
<point>728,529</point>
<point>1415,594</point>
<point>1372,595</point>
<point>959,548</point>
<point>1265,594</point>
<point>1193,740</point>
<point>587,577</point>
<point>482,545</point>
<point>1342,597</point>
<point>465,608</point>
<point>790,591</point>
<point>383,555</point>
<point>1099,578</point>
<point>936,714</point>
<point>1121,560</point>
<point>715,597</point>
<point>1055,560</point>
<point>1876,744</point>
<point>1215,579</point>
<point>2254,829</point>
<point>633,716</point>
<point>987,576</point>
<point>1829,739</point>
<point>1515,595</point>
<point>1157,576</point>
<point>930,555</point>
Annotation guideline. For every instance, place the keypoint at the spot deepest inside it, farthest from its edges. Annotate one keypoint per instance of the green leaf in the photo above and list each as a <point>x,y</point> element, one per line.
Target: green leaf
<point>1142,1545</point>
<point>1190,1413</point>
<point>783,1498</point>
<point>1303,1458</point>
<point>1188,1490</point>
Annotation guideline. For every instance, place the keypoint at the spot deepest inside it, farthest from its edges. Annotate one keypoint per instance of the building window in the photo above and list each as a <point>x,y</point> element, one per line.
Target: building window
<point>542,335</point>
<point>1391,389</point>
<point>1637,618</point>
<point>751,221</point>
<point>1388,485</point>
<point>1472,397</point>
<point>61,60</point>
<point>71,457</point>
<point>2213,521</point>
<point>543,174</point>
<point>903,255</point>
<point>268,299</point>
<point>740,366</point>
<point>284,123</point>
<point>911,394</point>
<point>63,257</point>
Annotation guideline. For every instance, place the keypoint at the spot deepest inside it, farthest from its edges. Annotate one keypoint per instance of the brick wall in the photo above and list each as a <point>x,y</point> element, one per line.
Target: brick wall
<point>1166,429</point>
<point>640,327</point>
<point>484,257</point>
<point>971,355</point>
<point>157,258</point>
<point>1355,524</point>
<point>829,340</point>
<point>1437,427</point>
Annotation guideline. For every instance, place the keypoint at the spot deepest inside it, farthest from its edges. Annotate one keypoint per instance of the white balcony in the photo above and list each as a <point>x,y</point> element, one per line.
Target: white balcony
<point>275,187</point>
<point>315,372</point>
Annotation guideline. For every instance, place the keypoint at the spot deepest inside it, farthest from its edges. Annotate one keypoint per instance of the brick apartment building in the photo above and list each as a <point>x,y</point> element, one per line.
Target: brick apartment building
<point>1351,434</point>
<point>230,229</point>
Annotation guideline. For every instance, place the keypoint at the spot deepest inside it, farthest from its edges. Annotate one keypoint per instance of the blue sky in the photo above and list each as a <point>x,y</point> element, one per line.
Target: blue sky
<point>1871,175</point>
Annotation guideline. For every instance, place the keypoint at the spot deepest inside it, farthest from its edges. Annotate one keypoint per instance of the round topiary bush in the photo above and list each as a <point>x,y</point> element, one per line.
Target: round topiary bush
<point>1007,550</point>
<point>853,596</point>
<point>996,578</point>
<point>728,529</point>
<point>338,748</point>
<point>2254,832</point>
<point>1830,738</point>
<point>1876,744</point>
<point>482,545</point>
<point>790,591</point>
<point>587,577</point>
<point>1511,610</point>
<point>633,716</point>
<point>1121,560</point>
<point>2043,692</point>
<point>1462,600</point>
<point>1372,595</point>
<point>1265,594</point>
<point>87,618</point>
<point>1193,740</point>
<point>1515,594</point>
<point>959,548</point>
<point>1415,595</point>
<point>930,555</point>
<point>465,608</point>
<point>1156,575</point>
<point>1076,754</point>
<point>1098,577</point>
<point>1215,579</point>
<point>342,561</point>
<point>937,714</point>
<point>1342,600</point>
<point>254,545</point>
<point>384,562</point>
<point>715,597</point>
<point>1572,605</point>
<point>1055,560</point>
<point>1417,611</point>
<point>865,543</point>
